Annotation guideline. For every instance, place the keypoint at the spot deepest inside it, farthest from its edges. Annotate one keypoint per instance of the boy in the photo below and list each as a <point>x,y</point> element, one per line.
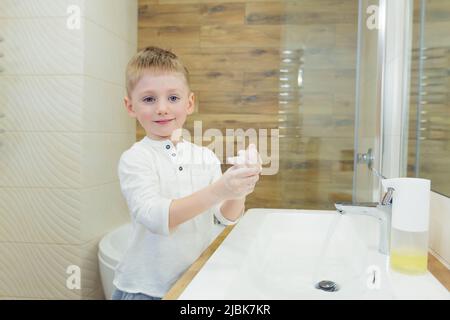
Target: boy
<point>173,188</point>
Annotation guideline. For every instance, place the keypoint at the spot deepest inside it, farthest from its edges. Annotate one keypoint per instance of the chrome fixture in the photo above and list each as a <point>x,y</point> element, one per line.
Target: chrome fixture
<point>366,158</point>
<point>381,211</point>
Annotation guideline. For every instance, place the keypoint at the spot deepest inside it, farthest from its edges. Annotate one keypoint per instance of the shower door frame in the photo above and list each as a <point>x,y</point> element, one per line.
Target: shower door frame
<point>389,140</point>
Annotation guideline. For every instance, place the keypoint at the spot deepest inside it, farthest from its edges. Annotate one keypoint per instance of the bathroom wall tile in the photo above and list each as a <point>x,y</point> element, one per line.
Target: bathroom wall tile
<point>105,54</point>
<point>37,270</point>
<point>156,15</point>
<point>299,12</point>
<point>329,59</point>
<point>116,16</point>
<point>236,35</point>
<point>103,108</point>
<point>63,104</point>
<point>346,35</point>
<point>126,20</point>
<point>95,294</point>
<point>55,216</point>
<point>185,36</point>
<point>90,273</point>
<point>40,271</point>
<point>309,36</point>
<point>439,234</point>
<point>103,209</point>
<point>225,59</point>
<point>188,1</point>
<point>40,159</point>
<point>20,298</point>
<point>435,36</point>
<point>344,104</point>
<point>131,51</point>
<point>102,13</point>
<point>27,47</point>
<point>131,28</point>
<point>100,156</point>
<point>41,103</point>
<point>40,215</point>
<point>36,8</point>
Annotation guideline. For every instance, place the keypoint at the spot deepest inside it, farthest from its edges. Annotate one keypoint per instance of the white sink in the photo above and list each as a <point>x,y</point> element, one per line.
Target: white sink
<point>280,254</point>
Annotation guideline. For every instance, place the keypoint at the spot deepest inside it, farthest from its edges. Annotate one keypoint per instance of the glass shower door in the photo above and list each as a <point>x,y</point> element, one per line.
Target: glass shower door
<point>382,94</point>
<point>368,99</point>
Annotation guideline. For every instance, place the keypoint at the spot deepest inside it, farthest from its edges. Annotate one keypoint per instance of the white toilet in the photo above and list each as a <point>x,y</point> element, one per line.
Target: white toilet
<point>111,249</point>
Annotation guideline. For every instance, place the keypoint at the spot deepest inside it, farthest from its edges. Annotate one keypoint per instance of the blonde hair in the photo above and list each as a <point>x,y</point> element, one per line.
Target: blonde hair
<point>153,59</point>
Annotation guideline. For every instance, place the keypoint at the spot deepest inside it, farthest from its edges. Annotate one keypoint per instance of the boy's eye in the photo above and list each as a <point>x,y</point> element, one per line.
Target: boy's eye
<point>148,99</point>
<point>173,98</point>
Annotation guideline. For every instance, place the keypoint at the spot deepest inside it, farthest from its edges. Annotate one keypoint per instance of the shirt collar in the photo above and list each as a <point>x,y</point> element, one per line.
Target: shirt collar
<point>162,144</point>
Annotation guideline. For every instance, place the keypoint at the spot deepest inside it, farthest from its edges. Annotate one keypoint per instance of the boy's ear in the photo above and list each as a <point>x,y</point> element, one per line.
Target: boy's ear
<point>129,107</point>
<point>191,103</point>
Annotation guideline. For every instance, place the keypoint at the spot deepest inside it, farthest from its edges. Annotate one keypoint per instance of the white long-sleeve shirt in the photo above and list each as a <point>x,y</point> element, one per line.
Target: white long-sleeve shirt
<point>152,173</point>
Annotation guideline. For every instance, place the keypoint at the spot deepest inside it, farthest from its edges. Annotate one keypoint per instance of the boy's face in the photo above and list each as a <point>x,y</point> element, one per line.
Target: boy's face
<point>161,103</point>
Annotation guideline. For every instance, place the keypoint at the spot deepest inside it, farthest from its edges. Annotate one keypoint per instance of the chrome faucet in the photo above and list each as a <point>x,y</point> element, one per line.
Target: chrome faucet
<point>381,211</point>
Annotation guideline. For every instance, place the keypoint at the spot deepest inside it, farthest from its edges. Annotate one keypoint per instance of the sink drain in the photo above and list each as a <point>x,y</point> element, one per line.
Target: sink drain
<point>327,285</point>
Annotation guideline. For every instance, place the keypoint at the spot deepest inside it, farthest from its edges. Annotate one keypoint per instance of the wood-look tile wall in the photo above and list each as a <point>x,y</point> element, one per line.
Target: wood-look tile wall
<point>235,50</point>
<point>434,123</point>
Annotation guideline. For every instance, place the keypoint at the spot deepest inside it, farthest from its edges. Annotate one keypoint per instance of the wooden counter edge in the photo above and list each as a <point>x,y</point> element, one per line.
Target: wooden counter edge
<point>439,271</point>
<point>187,277</point>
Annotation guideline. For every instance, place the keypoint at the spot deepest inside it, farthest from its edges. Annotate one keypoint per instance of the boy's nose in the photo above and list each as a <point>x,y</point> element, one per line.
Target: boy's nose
<point>162,108</point>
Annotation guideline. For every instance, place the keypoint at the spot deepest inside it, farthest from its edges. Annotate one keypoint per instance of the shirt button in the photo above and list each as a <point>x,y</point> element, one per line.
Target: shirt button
<point>180,168</point>
<point>167,146</point>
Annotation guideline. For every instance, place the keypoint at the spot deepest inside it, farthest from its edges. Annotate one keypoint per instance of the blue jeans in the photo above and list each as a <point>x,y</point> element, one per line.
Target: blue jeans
<point>122,295</point>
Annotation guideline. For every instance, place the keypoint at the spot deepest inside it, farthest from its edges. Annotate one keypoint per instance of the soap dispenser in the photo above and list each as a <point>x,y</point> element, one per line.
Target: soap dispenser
<point>410,222</point>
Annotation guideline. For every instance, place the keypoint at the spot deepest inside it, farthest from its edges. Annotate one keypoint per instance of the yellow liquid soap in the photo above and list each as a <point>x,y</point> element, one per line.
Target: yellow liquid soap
<point>409,262</point>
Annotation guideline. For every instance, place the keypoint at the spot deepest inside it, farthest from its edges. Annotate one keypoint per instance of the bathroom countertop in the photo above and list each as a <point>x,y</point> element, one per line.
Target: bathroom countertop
<point>436,268</point>
<point>187,277</point>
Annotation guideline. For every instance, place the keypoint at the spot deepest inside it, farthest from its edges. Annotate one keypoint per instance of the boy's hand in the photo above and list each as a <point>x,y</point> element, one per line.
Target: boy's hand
<point>237,182</point>
<point>248,158</point>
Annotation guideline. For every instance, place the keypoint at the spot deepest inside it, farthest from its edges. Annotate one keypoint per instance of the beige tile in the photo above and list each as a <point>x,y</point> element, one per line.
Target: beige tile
<point>56,103</point>
<point>36,8</point>
<point>40,215</point>
<point>95,294</point>
<point>440,226</point>
<point>103,108</point>
<point>99,62</point>
<point>116,16</point>
<point>90,272</point>
<point>40,159</point>
<point>103,209</point>
<point>24,52</point>
<point>40,270</point>
<point>100,156</point>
